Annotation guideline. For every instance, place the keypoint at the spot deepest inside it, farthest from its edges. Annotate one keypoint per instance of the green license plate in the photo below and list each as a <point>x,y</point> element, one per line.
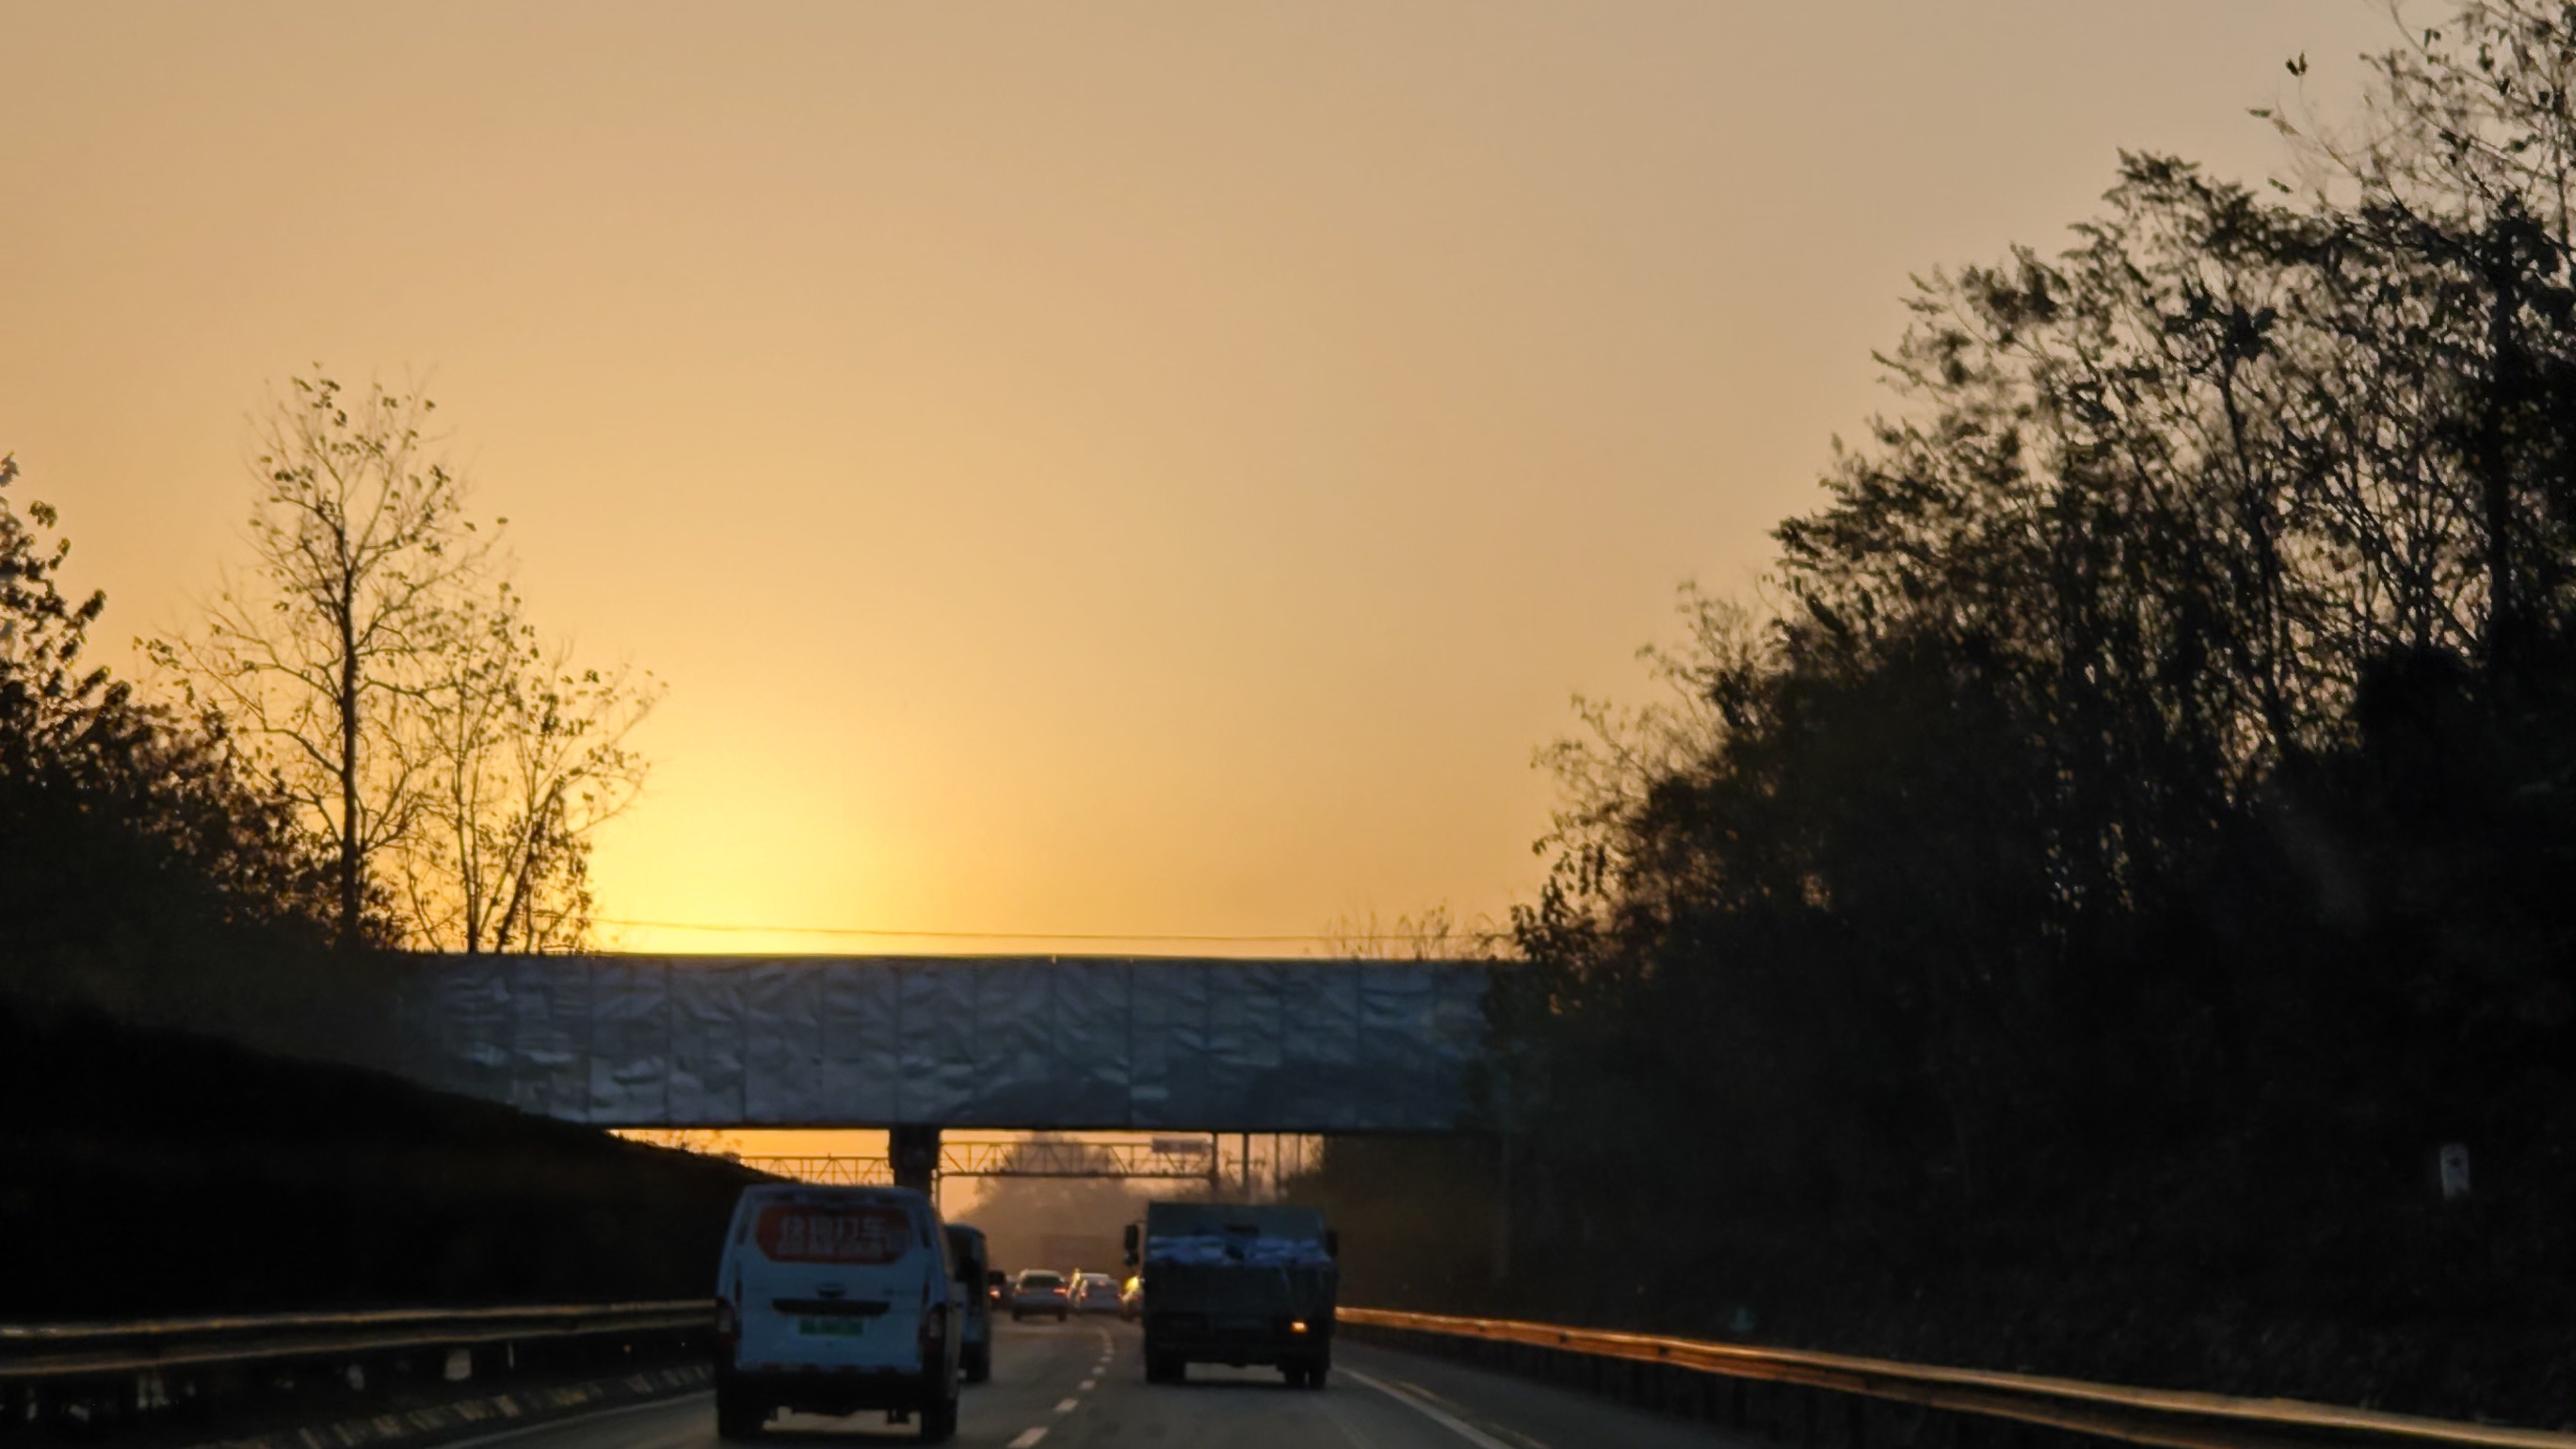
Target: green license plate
<point>832,1327</point>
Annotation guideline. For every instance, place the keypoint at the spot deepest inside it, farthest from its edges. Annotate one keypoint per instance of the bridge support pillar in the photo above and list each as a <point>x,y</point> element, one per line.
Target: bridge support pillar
<point>913,1152</point>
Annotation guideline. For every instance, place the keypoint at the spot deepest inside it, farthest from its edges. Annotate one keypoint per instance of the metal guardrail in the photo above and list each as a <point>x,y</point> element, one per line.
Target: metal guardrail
<point>2169,1418</point>
<point>68,1350</point>
<point>238,1378</point>
<point>68,1354</point>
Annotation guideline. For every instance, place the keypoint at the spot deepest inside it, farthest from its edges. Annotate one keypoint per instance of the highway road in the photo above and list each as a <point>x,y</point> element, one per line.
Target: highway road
<point>1081,1385</point>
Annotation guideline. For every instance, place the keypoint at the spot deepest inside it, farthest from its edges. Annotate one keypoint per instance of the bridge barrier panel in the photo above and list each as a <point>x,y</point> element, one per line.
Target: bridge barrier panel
<point>1066,1043</point>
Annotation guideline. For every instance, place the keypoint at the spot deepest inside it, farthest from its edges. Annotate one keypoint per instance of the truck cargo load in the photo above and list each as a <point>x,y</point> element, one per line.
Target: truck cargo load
<point>1235,1284</point>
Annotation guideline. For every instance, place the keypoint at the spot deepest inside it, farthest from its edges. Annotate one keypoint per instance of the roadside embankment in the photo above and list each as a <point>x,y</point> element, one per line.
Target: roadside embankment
<point>147,1172</point>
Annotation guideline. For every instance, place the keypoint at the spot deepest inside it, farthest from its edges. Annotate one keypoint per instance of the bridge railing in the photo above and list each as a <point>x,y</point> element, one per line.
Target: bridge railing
<point>1825,1399</point>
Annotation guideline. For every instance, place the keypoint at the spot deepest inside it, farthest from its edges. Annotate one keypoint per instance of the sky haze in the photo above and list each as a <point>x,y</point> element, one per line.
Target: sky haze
<point>1102,468</point>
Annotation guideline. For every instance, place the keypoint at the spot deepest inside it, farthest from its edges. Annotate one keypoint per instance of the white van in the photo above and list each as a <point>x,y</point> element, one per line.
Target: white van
<point>831,1300</point>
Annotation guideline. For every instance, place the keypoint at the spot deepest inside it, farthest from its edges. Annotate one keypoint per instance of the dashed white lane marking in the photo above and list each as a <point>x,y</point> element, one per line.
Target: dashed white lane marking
<point>1088,1384</point>
<point>1453,1406</point>
<point>1429,1410</point>
<point>1067,1406</point>
<point>1029,1438</point>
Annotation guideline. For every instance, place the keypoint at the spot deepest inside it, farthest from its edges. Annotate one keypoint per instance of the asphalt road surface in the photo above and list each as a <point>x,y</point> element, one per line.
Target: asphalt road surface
<point>1081,1385</point>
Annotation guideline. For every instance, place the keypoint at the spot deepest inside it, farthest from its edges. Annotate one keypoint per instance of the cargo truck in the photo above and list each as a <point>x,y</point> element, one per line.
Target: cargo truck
<point>1235,1284</point>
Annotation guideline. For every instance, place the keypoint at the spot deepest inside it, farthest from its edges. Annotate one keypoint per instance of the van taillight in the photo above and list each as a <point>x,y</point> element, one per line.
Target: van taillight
<point>934,1336</point>
<point>728,1322</point>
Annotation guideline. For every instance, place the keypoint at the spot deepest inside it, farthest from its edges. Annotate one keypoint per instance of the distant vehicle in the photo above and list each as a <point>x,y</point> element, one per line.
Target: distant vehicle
<point>1095,1293</point>
<point>1131,1299</point>
<point>997,1289</point>
<point>830,1300</point>
<point>1039,1292</point>
<point>1235,1284</point>
<point>967,1256</point>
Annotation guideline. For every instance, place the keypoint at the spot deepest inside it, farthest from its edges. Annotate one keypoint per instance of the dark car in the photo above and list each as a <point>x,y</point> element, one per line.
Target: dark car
<point>1040,1292</point>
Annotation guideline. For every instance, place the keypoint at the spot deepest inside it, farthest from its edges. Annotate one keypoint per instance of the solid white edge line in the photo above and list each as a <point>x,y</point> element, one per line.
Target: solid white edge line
<point>524,1430</point>
<point>1433,1412</point>
<point>1029,1438</point>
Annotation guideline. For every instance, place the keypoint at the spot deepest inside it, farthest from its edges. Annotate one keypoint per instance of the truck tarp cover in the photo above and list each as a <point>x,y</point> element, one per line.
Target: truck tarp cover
<point>1214,1235</point>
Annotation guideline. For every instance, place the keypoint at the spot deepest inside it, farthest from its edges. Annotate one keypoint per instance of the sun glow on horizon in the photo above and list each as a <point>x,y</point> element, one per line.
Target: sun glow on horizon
<point>1120,469</point>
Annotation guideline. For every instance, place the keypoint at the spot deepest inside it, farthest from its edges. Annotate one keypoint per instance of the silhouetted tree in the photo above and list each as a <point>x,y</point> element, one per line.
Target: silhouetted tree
<point>2160,773</point>
<point>1432,935</point>
<point>323,655</point>
<point>376,663</point>
<point>527,756</point>
<point>133,850</point>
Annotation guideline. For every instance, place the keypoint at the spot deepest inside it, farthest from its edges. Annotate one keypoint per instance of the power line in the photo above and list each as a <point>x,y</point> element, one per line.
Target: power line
<point>880,933</point>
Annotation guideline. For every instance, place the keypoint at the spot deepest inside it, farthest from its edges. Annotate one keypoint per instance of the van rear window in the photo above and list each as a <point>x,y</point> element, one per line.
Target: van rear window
<point>795,1233</point>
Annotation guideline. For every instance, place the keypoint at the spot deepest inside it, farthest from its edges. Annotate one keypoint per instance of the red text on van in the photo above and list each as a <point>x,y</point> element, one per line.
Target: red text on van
<point>792,1234</point>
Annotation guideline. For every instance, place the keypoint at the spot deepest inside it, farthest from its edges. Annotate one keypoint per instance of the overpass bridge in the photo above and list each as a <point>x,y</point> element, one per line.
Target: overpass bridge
<point>916,1044</point>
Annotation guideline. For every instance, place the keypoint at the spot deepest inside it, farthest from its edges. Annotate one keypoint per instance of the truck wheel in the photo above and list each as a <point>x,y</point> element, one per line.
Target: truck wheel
<point>1164,1368</point>
<point>737,1417</point>
<point>1315,1373</point>
<point>939,1422</point>
<point>977,1364</point>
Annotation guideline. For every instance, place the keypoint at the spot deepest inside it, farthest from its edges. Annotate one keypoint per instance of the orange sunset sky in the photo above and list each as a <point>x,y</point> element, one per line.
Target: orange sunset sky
<point>1078,468</point>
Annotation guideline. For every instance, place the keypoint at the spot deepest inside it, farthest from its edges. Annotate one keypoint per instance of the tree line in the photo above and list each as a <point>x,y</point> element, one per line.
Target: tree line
<point>364,744</point>
<point>2136,835</point>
